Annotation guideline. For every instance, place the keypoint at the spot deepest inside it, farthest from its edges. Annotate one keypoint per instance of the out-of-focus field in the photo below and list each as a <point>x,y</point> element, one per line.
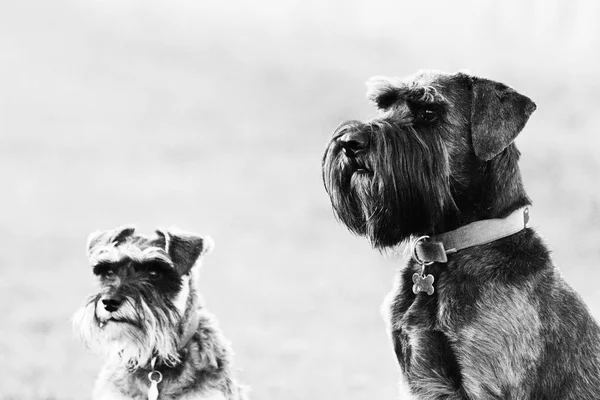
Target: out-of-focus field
<point>212,116</point>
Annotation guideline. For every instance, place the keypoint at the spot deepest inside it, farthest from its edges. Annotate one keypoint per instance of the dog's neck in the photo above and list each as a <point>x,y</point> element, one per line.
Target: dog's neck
<point>203,358</point>
<point>491,194</point>
<point>189,328</point>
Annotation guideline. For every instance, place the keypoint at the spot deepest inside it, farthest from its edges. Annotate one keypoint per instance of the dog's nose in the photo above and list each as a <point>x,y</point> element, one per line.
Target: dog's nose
<point>354,142</point>
<point>112,303</point>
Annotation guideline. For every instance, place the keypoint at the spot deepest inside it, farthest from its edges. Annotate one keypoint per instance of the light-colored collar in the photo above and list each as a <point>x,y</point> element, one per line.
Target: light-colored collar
<point>427,250</point>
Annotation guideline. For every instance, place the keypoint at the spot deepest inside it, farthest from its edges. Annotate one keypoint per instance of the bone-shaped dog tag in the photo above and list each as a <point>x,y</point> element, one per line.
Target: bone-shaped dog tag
<point>153,391</point>
<point>422,283</point>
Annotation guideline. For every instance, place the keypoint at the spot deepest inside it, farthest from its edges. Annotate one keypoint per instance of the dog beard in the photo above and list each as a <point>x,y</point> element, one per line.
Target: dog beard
<point>135,333</point>
<point>398,187</point>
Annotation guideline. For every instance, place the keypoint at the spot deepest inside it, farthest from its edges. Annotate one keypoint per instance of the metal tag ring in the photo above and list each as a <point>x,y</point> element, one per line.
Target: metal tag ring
<point>158,380</point>
<point>414,250</point>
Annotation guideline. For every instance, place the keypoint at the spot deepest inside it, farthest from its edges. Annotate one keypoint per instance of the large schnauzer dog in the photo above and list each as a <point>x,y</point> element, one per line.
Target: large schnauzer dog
<point>479,311</point>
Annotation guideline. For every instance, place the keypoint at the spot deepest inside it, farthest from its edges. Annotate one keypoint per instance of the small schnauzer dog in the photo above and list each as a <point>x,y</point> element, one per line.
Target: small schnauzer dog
<point>479,311</point>
<point>148,319</point>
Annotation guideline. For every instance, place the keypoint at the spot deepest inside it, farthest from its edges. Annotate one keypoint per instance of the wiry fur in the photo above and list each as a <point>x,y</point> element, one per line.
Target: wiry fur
<point>369,202</point>
<point>148,331</point>
<point>502,323</point>
<point>154,317</point>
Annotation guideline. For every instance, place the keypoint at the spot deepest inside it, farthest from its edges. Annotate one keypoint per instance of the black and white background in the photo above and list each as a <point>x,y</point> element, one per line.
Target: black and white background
<point>212,116</point>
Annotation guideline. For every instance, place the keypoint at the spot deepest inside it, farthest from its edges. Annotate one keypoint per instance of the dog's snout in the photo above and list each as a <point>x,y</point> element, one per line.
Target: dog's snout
<point>112,303</point>
<point>354,142</point>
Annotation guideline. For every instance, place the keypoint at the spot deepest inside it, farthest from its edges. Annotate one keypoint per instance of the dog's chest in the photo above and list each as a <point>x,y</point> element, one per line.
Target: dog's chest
<point>115,394</point>
<point>452,303</point>
<point>128,387</point>
<point>478,332</point>
<point>412,312</point>
<point>419,335</point>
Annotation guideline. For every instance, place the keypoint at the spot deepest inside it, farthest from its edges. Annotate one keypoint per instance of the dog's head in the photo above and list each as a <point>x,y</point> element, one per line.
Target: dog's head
<point>146,286</point>
<point>399,173</point>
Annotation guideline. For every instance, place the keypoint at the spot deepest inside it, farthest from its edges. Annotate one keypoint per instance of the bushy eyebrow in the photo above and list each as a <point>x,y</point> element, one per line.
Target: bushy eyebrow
<point>423,95</point>
<point>104,266</point>
<point>385,92</point>
<point>155,263</point>
<point>158,265</point>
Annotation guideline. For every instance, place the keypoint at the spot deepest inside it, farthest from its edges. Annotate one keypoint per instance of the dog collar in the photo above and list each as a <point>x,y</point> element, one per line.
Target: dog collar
<point>427,250</point>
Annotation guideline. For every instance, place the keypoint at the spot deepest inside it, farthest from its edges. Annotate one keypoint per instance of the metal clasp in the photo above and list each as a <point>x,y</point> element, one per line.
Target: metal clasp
<point>414,251</point>
<point>158,379</point>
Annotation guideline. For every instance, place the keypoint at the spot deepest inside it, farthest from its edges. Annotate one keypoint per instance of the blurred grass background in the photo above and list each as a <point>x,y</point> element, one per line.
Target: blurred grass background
<point>212,116</point>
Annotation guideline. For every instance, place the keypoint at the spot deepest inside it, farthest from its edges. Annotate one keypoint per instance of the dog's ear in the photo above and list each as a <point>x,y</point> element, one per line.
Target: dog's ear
<point>103,238</point>
<point>382,92</point>
<point>498,114</point>
<point>185,249</point>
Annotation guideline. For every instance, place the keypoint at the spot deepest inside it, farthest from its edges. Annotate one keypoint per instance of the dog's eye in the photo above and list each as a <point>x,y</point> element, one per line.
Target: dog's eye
<point>107,273</point>
<point>153,274</point>
<point>426,115</point>
<point>104,270</point>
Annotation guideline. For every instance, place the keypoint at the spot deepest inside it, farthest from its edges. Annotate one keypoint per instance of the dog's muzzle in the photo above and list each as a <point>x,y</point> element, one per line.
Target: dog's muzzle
<point>113,307</point>
<point>112,303</point>
<point>354,142</point>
